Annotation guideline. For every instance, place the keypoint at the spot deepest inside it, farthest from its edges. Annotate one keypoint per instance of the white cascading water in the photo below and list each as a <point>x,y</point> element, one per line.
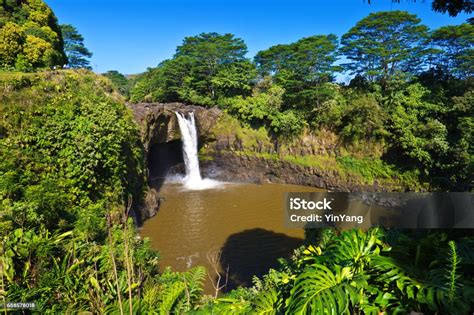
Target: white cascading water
<point>193,179</point>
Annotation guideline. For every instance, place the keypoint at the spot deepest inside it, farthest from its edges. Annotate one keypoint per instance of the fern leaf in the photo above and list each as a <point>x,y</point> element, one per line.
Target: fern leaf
<point>170,297</point>
<point>452,276</point>
<point>267,303</point>
<point>194,279</point>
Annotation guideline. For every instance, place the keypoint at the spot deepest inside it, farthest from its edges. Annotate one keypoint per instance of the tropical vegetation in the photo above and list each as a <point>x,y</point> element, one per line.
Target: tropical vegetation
<point>72,165</point>
<point>410,92</point>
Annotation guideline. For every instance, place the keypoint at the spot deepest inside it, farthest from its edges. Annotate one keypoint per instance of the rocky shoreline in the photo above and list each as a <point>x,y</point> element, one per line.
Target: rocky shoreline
<point>227,159</point>
<point>231,166</point>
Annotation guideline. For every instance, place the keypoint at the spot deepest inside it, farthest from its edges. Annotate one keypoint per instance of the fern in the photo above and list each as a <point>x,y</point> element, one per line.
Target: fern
<point>267,303</point>
<point>194,280</point>
<point>234,306</point>
<point>439,291</point>
<point>452,275</point>
<point>170,297</point>
<point>151,294</point>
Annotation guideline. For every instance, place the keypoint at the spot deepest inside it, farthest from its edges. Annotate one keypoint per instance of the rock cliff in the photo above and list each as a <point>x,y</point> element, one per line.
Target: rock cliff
<point>159,125</point>
<point>233,152</point>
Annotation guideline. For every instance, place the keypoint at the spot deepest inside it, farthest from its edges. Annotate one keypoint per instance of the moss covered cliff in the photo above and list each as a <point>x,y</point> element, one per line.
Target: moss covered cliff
<point>317,159</point>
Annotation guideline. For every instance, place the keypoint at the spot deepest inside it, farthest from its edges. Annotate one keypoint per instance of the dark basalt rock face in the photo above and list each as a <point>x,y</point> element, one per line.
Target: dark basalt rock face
<point>231,166</point>
<point>159,124</point>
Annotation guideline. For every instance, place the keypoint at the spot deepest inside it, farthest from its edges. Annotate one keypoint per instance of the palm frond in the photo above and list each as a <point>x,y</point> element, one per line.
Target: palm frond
<point>318,290</point>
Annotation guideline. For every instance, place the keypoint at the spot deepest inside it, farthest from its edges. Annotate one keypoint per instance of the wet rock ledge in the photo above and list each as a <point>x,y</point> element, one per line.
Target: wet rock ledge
<point>161,140</point>
<point>159,124</point>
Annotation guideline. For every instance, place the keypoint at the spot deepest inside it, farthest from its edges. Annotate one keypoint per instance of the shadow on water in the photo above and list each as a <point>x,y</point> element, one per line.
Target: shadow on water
<point>254,252</point>
<point>161,159</point>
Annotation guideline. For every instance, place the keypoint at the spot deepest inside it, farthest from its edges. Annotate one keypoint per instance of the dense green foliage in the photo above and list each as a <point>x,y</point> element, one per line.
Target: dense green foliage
<point>410,95</point>
<point>71,165</point>
<point>456,51</point>
<point>204,68</point>
<point>30,36</point>
<point>453,7</point>
<point>73,144</point>
<point>384,45</point>
<point>358,272</point>
<point>121,83</point>
<point>308,60</point>
<point>77,54</point>
<point>70,162</point>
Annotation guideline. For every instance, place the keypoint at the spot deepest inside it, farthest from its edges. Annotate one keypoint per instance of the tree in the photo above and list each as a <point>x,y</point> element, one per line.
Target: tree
<point>273,60</point>
<point>119,81</point>
<point>385,44</point>
<point>207,54</point>
<point>456,49</point>
<point>77,53</point>
<point>301,68</point>
<point>12,39</point>
<point>362,119</point>
<point>234,79</point>
<point>205,68</point>
<point>30,37</point>
<point>453,7</point>
<point>309,60</point>
<point>417,132</point>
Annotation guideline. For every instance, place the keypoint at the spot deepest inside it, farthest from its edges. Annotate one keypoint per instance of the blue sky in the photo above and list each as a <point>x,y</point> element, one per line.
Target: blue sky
<point>130,36</point>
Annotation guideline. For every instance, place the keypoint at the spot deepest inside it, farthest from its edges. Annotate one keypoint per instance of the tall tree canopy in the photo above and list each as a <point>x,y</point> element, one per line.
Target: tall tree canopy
<point>309,60</point>
<point>210,50</point>
<point>456,49</point>
<point>77,54</point>
<point>301,68</point>
<point>204,68</point>
<point>453,7</point>
<point>29,36</point>
<point>119,81</point>
<point>384,44</point>
<point>208,54</point>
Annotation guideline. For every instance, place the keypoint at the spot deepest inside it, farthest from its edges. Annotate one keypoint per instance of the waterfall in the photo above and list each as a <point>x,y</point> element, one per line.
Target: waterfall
<point>193,179</point>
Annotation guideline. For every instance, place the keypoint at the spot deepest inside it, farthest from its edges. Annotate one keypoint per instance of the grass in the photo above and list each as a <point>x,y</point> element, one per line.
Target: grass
<point>315,161</point>
<point>372,169</point>
<point>250,138</point>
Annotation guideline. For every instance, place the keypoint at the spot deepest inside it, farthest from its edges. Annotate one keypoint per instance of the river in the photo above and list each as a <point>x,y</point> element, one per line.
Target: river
<point>241,221</point>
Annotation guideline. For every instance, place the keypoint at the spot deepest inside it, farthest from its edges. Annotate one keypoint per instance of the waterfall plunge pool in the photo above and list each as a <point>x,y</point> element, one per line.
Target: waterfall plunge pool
<point>243,221</point>
<point>201,218</point>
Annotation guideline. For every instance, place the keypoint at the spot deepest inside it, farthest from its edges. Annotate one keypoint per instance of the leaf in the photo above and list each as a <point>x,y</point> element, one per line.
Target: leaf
<point>94,283</point>
<point>267,303</point>
<point>318,290</point>
<point>170,297</point>
<point>313,250</point>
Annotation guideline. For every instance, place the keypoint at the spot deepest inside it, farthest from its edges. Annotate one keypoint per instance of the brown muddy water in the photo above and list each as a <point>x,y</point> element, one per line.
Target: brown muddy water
<point>244,222</point>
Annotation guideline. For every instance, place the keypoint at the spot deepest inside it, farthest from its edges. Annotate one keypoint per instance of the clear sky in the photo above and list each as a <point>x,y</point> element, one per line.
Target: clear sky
<point>130,36</point>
